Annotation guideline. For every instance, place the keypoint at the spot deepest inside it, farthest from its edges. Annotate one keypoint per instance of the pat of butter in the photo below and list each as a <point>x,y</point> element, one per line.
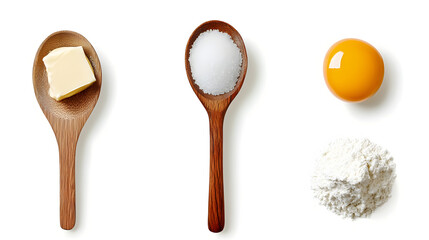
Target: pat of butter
<point>69,72</point>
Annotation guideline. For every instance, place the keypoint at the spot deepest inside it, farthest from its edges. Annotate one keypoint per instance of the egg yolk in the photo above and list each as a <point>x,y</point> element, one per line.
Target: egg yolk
<point>353,70</point>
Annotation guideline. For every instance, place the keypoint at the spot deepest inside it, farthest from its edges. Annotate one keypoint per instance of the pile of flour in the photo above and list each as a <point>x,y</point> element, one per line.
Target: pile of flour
<point>353,177</point>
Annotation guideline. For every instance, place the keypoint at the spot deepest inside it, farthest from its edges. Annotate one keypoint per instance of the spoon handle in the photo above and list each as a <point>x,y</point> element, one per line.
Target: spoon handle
<point>216,213</point>
<point>67,141</point>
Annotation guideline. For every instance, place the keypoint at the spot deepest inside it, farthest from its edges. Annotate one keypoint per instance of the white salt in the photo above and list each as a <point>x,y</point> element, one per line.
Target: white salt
<point>215,62</point>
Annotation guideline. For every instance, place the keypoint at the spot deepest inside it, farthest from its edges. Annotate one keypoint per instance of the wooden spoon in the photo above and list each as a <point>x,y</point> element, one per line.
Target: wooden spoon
<point>216,107</point>
<point>67,116</point>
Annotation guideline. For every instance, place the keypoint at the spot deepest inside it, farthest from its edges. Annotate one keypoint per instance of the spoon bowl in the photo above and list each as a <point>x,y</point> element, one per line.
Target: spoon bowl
<point>216,107</point>
<point>68,116</point>
<point>212,102</point>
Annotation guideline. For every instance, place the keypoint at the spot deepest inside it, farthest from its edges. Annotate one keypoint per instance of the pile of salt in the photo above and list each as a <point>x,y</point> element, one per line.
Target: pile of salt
<point>215,62</point>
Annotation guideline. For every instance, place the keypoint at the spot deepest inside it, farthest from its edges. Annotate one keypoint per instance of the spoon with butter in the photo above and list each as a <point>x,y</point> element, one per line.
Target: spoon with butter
<point>66,102</point>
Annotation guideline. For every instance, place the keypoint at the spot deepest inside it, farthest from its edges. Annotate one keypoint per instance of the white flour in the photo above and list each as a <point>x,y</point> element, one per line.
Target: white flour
<point>353,177</point>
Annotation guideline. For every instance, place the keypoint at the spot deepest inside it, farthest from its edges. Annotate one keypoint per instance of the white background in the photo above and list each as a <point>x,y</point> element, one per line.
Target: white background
<point>143,156</point>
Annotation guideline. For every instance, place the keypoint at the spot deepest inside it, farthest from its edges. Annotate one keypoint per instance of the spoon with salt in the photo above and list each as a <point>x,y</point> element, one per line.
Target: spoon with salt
<point>67,117</point>
<point>216,107</point>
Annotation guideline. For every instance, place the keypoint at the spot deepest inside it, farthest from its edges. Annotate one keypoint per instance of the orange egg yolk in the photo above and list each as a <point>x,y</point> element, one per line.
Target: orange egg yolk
<point>353,70</point>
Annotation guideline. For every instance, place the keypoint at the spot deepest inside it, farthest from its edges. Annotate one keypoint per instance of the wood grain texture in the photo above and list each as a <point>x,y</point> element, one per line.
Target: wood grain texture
<point>216,215</point>
<point>216,107</point>
<point>68,116</point>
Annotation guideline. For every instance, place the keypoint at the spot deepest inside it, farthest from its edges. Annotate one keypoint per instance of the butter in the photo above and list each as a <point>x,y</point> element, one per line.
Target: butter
<point>69,72</point>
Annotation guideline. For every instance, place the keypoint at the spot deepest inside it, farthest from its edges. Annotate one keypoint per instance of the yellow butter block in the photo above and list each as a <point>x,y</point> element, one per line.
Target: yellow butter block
<point>69,72</point>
